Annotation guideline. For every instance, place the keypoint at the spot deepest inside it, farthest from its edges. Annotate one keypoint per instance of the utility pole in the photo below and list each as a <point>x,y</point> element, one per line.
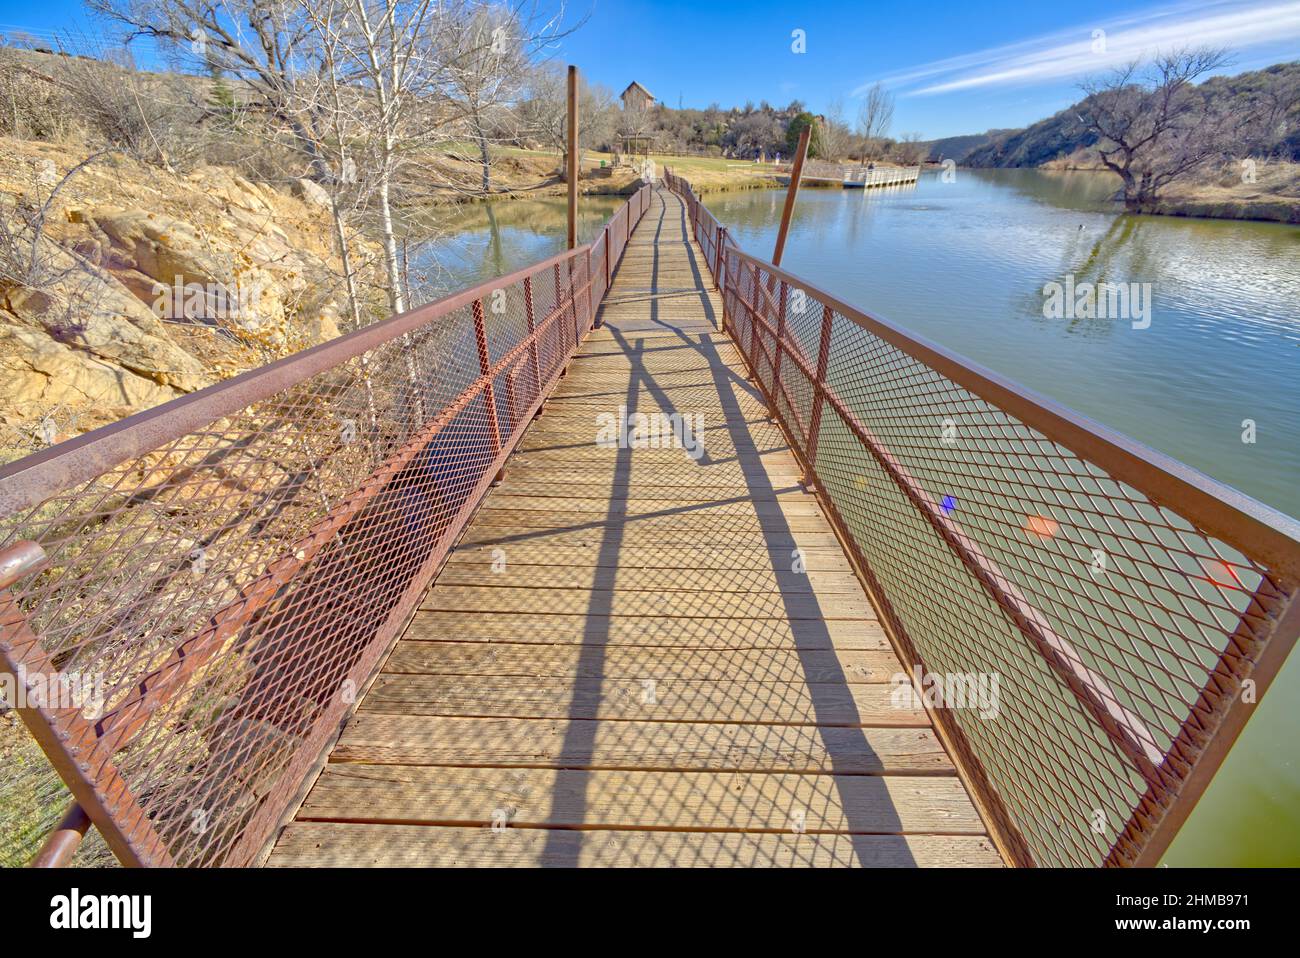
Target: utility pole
<point>791,192</point>
<point>572,172</point>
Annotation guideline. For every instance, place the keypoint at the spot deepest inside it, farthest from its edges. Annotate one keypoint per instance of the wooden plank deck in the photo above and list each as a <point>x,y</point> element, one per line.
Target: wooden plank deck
<point>622,664</point>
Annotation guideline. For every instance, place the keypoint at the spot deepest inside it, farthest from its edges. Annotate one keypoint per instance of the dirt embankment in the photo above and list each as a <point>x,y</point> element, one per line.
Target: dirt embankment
<point>518,173</point>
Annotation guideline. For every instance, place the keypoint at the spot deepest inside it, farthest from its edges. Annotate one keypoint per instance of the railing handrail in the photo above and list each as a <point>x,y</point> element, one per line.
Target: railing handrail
<point>1217,508</point>
<point>28,481</point>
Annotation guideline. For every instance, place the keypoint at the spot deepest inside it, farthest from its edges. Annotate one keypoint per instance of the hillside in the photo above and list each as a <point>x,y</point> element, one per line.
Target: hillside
<point>88,340</point>
<point>1062,136</point>
<point>959,147</point>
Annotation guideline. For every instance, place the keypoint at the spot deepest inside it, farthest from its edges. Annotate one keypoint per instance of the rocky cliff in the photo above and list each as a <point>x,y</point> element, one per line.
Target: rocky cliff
<point>136,286</point>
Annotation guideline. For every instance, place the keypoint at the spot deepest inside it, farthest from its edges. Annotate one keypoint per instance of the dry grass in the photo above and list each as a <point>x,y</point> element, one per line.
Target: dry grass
<point>1268,191</point>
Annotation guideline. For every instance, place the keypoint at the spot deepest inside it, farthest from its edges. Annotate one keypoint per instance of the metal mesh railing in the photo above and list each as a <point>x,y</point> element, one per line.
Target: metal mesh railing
<point>1129,609</point>
<point>222,574</point>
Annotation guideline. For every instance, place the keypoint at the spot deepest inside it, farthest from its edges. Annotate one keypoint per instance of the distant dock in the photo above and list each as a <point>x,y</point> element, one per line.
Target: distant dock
<point>857,177</point>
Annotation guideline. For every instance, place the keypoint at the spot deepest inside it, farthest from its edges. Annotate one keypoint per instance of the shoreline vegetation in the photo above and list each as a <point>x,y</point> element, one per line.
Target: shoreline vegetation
<point>1181,138</point>
<point>1272,195</point>
<point>1268,192</point>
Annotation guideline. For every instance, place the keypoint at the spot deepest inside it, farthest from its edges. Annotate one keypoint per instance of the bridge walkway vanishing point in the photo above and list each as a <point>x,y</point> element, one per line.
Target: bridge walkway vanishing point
<point>647,650</point>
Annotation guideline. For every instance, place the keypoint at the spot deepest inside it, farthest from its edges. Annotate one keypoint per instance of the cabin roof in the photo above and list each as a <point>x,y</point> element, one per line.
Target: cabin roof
<point>631,86</point>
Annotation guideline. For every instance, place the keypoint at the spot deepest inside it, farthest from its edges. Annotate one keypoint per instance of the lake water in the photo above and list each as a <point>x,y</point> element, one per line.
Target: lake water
<point>481,240</point>
<point>964,263</point>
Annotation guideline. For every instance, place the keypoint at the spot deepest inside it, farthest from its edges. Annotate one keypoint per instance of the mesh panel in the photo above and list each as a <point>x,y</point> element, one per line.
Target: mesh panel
<point>1118,629</point>
<point>227,593</point>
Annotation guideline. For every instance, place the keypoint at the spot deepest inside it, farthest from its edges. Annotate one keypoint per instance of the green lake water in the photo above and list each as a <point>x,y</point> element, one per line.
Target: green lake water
<point>481,240</point>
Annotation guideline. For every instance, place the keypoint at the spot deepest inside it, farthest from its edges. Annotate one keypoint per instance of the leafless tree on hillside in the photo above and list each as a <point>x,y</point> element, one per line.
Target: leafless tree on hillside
<point>267,45</point>
<point>1155,126</point>
<point>836,135</point>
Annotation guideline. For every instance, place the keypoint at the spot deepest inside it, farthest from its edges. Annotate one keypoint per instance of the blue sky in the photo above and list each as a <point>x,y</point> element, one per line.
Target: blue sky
<point>955,67</point>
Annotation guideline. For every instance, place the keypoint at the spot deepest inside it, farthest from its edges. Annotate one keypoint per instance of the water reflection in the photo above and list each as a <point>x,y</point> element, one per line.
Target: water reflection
<point>477,241</point>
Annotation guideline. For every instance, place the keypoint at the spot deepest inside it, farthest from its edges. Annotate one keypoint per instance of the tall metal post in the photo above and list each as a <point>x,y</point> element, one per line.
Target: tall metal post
<point>572,171</point>
<point>791,192</point>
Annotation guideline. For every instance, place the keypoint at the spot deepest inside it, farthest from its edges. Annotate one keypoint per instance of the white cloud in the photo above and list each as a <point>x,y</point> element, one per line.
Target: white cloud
<point>1071,53</point>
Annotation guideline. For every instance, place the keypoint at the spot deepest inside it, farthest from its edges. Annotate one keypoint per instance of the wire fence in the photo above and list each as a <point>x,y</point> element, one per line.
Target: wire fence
<point>1128,610</point>
<point>213,581</point>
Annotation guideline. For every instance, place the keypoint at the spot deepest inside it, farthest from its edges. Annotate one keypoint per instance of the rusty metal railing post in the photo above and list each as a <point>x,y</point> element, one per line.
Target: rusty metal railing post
<point>1213,724</point>
<point>571,159</point>
<point>65,733</point>
<point>778,346</point>
<point>531,320</point>
<point>579,326</point>
<point>819,389</point>
<point>559,300</point>
<point>722,284</point>
<point>485,370</point>
<point>755,329</point>
<point>792,191</point>
<point>607,238</point>
<point>591,305</point>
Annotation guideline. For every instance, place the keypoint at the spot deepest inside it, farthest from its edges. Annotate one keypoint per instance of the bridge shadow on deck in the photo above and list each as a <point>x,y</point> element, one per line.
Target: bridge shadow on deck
<point>827,685</point>
<point>673,691</point>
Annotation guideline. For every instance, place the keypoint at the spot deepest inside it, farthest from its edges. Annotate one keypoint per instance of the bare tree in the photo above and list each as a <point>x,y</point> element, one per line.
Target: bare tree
<point>836,135</point>
<point>364,89</point>
<point>1155,126</point>
<point>875,116</point>
<point>27,258</point>
<point>544,112</point>
<point>395,50</point>
<point>267,45</point>
<point>486,64</point>
<point>345,128</point>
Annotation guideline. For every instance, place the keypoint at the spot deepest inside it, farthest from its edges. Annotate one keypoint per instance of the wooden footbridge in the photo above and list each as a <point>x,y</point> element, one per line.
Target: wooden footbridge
<point>827,174</point>
<point>648,554</point>
<point>644,669</point>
